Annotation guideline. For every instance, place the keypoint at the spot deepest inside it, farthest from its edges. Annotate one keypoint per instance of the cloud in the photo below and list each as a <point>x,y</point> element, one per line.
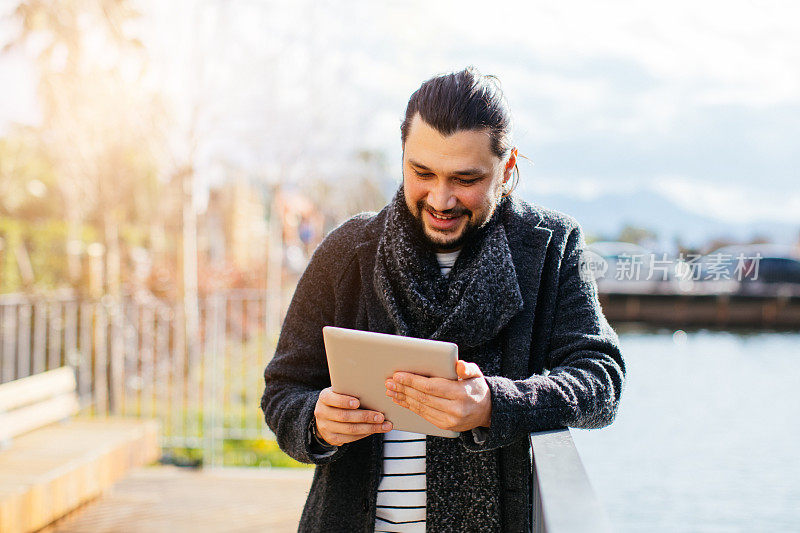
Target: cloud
<point>747,52</point>
<point>732,203</point>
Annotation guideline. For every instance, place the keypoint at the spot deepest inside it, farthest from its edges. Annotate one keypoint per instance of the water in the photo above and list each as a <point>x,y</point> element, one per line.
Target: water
<point>707,435</point>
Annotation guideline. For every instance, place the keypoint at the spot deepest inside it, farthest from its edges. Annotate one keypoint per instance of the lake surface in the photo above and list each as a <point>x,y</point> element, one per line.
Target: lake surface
<point>707,436</point>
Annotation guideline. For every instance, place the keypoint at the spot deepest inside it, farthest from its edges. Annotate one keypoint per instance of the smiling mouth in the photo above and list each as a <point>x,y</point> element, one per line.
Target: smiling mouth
<point>443,223</point>
<point>443,217</point>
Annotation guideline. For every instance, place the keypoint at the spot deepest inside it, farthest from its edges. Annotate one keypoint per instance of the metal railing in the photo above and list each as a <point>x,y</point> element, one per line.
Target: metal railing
<point>133,358</point>
<point>562,496</point>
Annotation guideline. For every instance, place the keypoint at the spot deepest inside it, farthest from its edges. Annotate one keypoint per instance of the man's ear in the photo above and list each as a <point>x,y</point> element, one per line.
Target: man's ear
<point>509,168</point>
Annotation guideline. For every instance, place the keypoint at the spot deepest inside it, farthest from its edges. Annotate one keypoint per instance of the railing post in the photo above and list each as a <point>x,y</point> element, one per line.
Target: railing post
<point>85,361</point>
<point>39,336</point>
<point>100,358</point>
<point>117,359</point>
<point>210,377</point>
<point>24,367</point>
<point>7,347</point>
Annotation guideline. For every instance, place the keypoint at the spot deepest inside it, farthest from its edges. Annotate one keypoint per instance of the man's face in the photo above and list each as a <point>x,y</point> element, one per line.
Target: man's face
<point>452,184</point>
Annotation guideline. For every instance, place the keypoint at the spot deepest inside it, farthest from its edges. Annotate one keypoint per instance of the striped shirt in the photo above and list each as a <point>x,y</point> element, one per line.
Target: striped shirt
<point>446,261</point>
<point>401,493</point>
<point>402,496</point>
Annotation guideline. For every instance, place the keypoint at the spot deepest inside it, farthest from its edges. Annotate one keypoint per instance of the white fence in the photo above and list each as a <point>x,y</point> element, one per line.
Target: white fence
<point>133,358</point>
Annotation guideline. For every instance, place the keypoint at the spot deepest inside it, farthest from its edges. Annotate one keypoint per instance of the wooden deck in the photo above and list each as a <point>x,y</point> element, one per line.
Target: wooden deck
<point>171,499</point>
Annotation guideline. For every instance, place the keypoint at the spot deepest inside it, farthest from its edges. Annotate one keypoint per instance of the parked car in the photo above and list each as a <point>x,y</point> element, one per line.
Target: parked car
<point>752,269</point>
<point>778,270</point>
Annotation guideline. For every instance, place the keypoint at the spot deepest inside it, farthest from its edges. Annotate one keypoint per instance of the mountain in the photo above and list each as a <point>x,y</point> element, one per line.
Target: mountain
<point>604,215</point>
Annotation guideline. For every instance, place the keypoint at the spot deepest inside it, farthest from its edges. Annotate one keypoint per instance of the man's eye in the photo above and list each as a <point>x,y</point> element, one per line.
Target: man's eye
<point>423,174</point>
<point>463,181</point>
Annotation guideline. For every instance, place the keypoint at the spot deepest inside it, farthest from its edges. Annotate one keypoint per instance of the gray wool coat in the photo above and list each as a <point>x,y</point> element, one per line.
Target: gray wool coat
<point>561,367</point>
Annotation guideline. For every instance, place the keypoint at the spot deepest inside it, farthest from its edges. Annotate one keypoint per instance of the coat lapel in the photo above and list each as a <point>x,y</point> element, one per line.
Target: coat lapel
<point>528,243</point>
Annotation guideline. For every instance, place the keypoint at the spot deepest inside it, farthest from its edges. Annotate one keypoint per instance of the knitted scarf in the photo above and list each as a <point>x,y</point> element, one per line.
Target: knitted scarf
<point>469,307</point>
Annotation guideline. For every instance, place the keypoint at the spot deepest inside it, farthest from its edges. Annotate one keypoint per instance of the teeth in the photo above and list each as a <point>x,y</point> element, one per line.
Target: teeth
<point>440,217</point>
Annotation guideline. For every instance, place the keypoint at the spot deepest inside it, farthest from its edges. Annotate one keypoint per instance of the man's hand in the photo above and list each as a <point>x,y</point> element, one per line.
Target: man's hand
<point>339,420</point>
<point>448,404</point>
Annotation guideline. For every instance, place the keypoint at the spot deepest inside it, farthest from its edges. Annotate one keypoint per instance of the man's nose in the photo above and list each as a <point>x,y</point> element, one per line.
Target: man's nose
<point>441,197</point>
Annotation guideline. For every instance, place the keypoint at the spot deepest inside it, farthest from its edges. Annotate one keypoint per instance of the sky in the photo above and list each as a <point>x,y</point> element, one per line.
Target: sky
<point>696,101</point>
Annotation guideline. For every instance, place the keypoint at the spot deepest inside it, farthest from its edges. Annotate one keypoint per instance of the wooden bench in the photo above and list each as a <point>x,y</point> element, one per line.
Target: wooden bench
<point>50,464</point>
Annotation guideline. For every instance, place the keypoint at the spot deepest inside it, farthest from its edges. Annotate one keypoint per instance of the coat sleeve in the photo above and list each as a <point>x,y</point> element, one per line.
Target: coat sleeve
<point>586,369</point>
<point>298,371</point>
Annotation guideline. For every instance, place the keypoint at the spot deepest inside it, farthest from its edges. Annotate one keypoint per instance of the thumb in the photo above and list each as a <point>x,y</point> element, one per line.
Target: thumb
<point>466,370</point>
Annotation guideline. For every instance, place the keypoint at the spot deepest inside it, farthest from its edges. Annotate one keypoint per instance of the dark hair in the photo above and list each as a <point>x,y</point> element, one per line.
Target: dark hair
<point>463,100</point>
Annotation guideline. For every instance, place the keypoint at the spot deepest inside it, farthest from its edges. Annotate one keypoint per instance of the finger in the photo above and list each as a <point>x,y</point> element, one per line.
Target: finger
<point>337,439</point>
<point>466,370</point>
<point>441,387</point>
<point>351,415</point>
<point>343,401</point>
<point>347,428</point>
<point>431,414</point>
<point>433,402</point>
<point>338,433</point>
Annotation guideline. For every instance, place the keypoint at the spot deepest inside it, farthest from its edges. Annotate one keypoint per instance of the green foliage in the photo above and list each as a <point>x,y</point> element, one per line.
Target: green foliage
<point>634,234</point>
<point>10,237</point>
<point>27,180</point>
<point>260,452</point>
<point>182,456</point>
<point>45,243</point>
<point>251,453</point>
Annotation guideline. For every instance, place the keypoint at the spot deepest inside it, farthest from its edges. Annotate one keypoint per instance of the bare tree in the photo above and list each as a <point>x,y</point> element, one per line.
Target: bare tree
<point>97,124</point>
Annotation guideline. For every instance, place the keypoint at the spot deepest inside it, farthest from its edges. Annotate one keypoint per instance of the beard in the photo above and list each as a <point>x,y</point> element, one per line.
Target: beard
<point>439,241</point>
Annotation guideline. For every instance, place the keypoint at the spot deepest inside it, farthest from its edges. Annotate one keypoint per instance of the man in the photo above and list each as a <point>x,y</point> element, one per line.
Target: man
<point>455,256</point>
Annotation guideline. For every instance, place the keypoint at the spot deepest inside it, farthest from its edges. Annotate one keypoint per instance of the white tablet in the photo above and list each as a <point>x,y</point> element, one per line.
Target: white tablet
<point>360,362</point>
